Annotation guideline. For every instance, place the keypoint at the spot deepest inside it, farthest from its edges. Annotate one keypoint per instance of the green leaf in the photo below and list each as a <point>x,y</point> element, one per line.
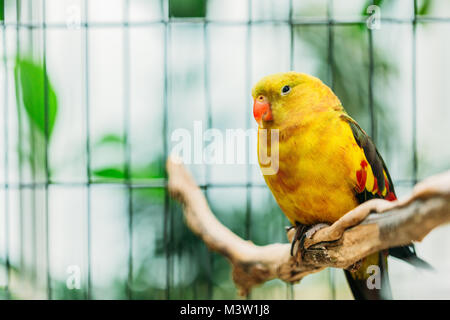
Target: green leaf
<point>424,8</point>
<point>152,170</point>
<point>117,172</point>
<point>369,3</point>
<point>2,10</point>
<point>109,173</point>
<point>110,139</point>
<point>187,8</point>
<point>30,77</point>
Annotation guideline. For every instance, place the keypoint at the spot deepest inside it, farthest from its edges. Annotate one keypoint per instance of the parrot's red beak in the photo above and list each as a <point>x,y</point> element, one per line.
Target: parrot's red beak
<point>262,110</point>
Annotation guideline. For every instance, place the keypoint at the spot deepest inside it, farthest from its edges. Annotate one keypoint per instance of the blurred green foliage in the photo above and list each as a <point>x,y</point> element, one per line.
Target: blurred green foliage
<point>373,2</point>
<point>349,74</point>
<point>194,271</point>
<point>187,8</point>
<point>150,171</point>
<point>36,96</point>
<point>31,77</point>
<point>424,8</point>
<point>2,10</point>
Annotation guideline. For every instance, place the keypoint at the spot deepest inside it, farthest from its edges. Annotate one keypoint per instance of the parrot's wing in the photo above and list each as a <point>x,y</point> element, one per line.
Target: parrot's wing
<point>382,186</point>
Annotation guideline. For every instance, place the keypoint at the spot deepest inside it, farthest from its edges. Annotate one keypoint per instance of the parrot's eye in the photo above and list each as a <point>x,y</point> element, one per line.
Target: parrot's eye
<point>285,90</point>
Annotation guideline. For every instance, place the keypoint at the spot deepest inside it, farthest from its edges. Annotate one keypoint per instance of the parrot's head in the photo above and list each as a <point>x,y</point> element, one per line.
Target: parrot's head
<point>282,96</point>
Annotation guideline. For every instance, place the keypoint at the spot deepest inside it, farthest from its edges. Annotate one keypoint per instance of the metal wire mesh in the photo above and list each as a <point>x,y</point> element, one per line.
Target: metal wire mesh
<point>168,23</point>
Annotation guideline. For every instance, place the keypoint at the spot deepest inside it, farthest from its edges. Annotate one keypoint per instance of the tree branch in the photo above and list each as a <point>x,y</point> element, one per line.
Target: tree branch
<point>357,234</point>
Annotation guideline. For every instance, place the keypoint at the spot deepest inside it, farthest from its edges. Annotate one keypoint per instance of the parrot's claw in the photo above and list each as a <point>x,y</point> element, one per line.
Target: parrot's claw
<point>311,231</point>
<point>299,231</point>
<point>302,232</point>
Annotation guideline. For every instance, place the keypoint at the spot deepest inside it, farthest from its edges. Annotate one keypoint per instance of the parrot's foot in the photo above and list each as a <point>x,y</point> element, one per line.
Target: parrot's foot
<point>301,233</point>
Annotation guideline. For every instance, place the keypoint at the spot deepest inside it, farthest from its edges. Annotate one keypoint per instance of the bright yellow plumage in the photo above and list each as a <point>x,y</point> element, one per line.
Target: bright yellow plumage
<point>318,154</point>
<point>326,165</point>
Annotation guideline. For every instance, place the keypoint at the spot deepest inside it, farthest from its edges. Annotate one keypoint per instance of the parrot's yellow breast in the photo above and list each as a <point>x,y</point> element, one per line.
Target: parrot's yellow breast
<point>318,158</point>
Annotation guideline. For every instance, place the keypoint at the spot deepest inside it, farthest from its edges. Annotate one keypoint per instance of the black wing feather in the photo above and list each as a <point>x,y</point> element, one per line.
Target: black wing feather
<point>406,253</point>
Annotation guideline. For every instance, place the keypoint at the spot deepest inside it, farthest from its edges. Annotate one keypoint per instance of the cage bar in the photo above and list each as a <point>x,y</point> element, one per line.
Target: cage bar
<point>88,154</point>
<point>126,135</point>
<point>6,162</point>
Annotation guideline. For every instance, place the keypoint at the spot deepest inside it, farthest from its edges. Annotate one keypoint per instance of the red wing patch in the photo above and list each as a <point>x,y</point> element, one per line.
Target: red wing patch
<point>390,196</point>
<point>361,176</point>
<point>370,181</point>
<point>361,179</point>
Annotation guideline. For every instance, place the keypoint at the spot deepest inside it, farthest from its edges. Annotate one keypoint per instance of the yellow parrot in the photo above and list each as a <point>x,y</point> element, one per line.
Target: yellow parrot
<point>327,165</point>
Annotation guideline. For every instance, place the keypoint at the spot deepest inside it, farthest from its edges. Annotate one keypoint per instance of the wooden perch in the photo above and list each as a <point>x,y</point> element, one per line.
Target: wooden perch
<point>357,234</point>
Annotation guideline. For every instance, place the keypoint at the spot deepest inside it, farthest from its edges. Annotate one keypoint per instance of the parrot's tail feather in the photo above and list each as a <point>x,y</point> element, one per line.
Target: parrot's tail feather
<point>369,283</point>
<point>408,254</point>
<point>419,263</point>
<point>360,290</point>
